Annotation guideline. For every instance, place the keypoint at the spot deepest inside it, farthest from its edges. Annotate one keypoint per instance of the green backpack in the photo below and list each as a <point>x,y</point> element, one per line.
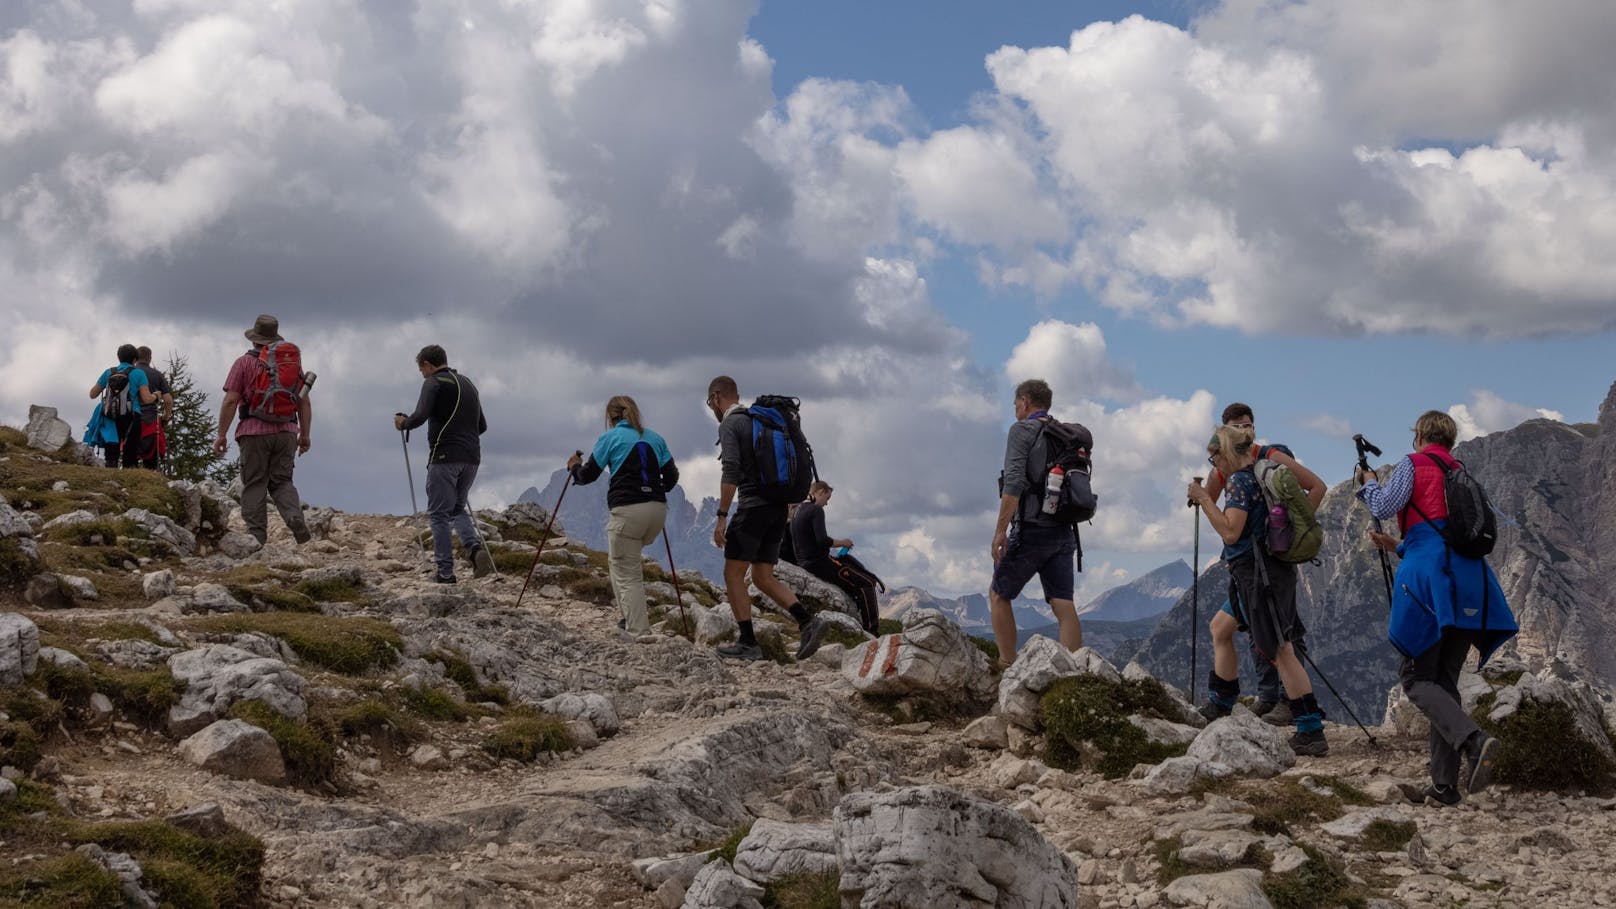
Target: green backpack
<point>1294,534</point>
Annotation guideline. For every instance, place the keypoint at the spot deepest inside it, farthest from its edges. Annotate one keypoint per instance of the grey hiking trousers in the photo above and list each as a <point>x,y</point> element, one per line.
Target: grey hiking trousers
<point>448,486</point>
<point>266,473</point>
<point>1431,681</point>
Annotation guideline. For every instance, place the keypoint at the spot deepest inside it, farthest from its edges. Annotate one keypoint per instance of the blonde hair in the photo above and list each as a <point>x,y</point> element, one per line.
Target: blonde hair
<point>1437,428</point>
<point>1230,441</point>
<point>819,486</point>
<point>622,407</point>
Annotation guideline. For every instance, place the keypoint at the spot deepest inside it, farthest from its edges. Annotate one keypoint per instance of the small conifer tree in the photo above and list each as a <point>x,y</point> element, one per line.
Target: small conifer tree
<point>191,430</point>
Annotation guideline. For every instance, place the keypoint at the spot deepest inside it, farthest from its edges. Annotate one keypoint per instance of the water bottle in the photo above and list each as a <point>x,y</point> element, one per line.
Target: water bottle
<point>1280,534</point>
<point>1052,489</point>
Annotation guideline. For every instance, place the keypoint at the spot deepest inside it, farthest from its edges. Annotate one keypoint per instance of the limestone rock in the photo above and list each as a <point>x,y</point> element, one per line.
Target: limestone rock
<point>212,597</point>
<point>987,732</point>
<point>773,849</point>
<point>126,870</point>
<point>80,587</point>
<point>1040,663</point>
<point>814,593</point>
<point>19,648</point>
<point>715,624</point>
<point>1179,775</point>
<point>653,872</point>
<point>236,749</point>
<point>582,733</point>
<point>158,584</point>
<point>238,545</point>
<point>1402,718</point>
<point>58,657</point>
<point>429,757</point>
<point>1237,889</point>
<point>81,516</point>
<point>932,846</point>
<point>594,708</point>
<point>1586,710</point>
<point>1353,824</point>
<point>1245,744</point>
<point>46,431</point>
<point>1165,732</point>
<point>164,530</point>
<point>1216,848</point>
<point>45,591</point>
<point>218,675</point>
<point>17,534</point>
<point>8,792</point>
<point>717,886</point>
<point>931,655</point>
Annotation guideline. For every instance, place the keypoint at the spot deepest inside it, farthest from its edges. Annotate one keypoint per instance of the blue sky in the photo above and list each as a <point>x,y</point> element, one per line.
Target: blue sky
<point>1343,214</point>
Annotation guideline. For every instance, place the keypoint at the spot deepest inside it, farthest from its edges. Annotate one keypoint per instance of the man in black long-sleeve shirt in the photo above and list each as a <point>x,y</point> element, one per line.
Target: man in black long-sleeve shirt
<point>453,414</point>
<point>812,544</point>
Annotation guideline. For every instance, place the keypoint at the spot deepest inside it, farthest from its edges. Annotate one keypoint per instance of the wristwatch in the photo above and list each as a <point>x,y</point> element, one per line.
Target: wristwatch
<point>722,513</point>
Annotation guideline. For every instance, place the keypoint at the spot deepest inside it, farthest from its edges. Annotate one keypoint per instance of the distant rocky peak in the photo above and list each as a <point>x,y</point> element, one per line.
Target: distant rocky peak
<point>1607,410</point>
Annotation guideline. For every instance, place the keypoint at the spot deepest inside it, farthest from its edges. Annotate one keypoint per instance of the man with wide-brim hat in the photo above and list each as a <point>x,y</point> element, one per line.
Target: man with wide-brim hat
<point>269,444</point>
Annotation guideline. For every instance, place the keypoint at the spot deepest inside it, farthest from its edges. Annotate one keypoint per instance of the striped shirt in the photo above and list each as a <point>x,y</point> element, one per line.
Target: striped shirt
<point>240,381</point>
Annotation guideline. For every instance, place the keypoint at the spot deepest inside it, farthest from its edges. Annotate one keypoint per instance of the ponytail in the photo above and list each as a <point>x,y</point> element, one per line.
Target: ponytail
<point>622,407</point>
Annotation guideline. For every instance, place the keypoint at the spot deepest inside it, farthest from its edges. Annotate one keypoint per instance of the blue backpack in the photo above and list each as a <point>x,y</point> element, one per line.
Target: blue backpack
<point>782,461</point>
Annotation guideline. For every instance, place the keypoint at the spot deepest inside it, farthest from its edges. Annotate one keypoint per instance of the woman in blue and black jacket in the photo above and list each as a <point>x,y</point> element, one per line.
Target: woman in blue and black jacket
<point>642,471</point>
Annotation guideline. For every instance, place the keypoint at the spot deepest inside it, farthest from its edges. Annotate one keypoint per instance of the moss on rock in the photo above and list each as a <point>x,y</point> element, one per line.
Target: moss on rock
<point>1086,723</point>
<point>526,734</point>
<point>1543,750</point>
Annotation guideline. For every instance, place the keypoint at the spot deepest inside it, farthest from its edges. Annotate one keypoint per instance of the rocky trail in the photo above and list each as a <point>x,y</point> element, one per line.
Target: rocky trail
<point>394,742</point>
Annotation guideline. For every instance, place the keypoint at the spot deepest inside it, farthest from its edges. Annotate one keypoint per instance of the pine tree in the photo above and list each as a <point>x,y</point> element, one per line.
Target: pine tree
<point>191,430</point>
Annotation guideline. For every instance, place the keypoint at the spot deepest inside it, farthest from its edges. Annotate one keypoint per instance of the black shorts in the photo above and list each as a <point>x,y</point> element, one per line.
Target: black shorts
<point>1047,551</point>
<point>1269,613</point>
<point>754,534</point>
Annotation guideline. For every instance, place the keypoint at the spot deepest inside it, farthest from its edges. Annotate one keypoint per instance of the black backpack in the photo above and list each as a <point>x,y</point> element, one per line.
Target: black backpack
<point>115,398</point>
<point>782,460</point>
<point>1068,446</point>
<point>1472,529</point>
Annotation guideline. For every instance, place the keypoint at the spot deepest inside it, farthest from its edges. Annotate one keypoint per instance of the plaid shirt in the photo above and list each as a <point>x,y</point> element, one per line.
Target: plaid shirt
<point>1386,501</point>
<point>240,381</point>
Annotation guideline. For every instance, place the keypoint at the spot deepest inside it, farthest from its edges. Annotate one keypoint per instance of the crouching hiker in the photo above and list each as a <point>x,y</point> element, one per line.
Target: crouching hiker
<point>751,542</point>
<point>642,471</point>
<point>453,413</point>
<point>812,546</point>
<point>1262,593</point>
<point>1444,602</point>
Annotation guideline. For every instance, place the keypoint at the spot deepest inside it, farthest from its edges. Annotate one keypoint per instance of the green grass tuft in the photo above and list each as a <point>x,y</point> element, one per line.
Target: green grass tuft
<point>143,695</point>
<point>331,590</point>
<point>727,847</point>
<point>68,881</point>
<point>431,703</point>
<point>1543,750</point>
<point>377,719</point>
<point>309,748</point>
<point>351,646</point>
<point>1288,802</point>
<point>268,597</point>
<point>463,674</point>
<point>1387,836</point>
<point>805,891</point>
<point>20,745</point>
<point>1086,713</point>
<point>525,735</point>
<point>1316,884</point>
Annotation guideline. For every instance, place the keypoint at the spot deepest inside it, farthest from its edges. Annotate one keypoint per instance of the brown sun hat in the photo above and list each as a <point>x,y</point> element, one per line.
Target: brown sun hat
<point>265,330</point>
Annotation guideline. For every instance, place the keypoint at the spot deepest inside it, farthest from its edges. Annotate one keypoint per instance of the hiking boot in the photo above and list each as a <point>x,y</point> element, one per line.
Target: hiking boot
<point>739,651</point>
<point>300,533</point>
<point>1310,744</point>
<point>446,578</point>
<point>813,634</point>
<point>1281,715</point>
<point>622,624</point>
<point>1212,711</point>
<point>1480,762</point>
<point>1435,796</point>
<point>481,562</point>
<point>1262,708</point>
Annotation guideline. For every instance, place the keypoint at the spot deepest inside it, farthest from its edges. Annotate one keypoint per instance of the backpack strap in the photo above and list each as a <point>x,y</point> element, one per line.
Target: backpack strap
<point>1034,481</point>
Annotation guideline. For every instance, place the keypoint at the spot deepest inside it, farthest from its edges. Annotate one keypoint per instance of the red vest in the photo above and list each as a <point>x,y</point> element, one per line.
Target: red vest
<point>1428,492</point>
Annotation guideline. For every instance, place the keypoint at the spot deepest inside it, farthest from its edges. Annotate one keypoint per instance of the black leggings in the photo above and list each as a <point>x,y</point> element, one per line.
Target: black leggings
<point>859,586</point>
<point>126,450</point>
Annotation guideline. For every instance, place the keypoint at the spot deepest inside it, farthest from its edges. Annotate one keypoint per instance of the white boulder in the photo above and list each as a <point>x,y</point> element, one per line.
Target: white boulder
<point>236,749</point>
<point>931,655</point>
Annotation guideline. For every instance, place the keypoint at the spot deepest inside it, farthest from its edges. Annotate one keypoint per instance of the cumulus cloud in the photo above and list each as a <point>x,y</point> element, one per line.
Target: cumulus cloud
<point>1486,412</point>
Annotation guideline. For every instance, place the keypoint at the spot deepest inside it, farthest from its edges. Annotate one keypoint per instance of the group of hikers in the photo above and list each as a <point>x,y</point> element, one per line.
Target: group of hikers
<point>1444,599</point>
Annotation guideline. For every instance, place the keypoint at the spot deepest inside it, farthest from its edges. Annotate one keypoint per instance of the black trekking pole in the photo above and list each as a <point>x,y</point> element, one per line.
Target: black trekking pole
<point>1365,449</point>
<point>543,540</point>
<point>1195,601</point>
<point>684,621</point>
<point>409,474</point>
<point>1264,588</point>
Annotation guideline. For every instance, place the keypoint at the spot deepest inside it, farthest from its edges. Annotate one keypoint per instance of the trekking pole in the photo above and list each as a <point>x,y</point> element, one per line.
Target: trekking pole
<point>1195,600</point>
<point>409,474</point>
<point>1365,449</point>
<point>1262,572</point>
<point>674,572</point>
<point>545,539</point>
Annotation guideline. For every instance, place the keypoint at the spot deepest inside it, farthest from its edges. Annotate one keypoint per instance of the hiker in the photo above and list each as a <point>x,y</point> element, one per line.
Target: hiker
<point>1271,704</point>
<point>154,420</point>
<point>115,422</point>
<point>751,542</point>
<point>273,405</point>
<point>453,413</point>
<point>1028,541</point>
<point>1443,604</point>
<point>1262,593</point>
<point>813,546</point>
<point>642,471</point>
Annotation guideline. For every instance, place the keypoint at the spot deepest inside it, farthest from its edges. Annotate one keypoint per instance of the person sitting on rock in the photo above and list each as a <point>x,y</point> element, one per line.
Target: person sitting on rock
<point>642,471</point>
<point>813,546</point>
<point>1272,704</point>
<point>1262,593</point>
<point>1443,604</point>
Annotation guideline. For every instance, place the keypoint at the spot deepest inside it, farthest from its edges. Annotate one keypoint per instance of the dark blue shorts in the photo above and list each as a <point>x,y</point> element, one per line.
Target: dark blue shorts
<point>1048,552</point>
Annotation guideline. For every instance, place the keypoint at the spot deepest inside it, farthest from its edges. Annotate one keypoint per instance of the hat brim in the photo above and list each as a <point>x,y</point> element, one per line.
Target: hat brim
<point>257,338</point>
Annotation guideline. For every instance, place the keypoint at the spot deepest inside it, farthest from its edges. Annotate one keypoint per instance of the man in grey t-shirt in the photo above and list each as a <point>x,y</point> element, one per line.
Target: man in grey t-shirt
<point>752,541</point>
<point>1026,541</point>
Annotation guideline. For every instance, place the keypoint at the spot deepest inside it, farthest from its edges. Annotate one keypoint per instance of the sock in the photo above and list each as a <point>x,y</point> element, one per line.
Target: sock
<point>1308,716</point>
<point>1222,692</point>
<point>799,613</point>
<point>746,632</point>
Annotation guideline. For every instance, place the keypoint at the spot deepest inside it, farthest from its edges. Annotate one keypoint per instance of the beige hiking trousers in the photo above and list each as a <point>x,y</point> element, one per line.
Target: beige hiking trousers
<point>630,529</point>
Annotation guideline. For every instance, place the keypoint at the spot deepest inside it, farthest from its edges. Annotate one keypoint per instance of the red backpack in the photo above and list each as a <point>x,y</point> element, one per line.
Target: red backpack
<point>278,386</point>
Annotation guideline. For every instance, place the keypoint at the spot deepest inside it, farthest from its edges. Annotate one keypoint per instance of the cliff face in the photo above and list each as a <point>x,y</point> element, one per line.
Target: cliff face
<point>1556,559</point>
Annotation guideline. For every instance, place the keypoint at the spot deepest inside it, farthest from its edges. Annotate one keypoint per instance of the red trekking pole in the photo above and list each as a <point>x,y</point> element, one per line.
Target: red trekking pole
<point>678,598</point>
<point>545,539</point>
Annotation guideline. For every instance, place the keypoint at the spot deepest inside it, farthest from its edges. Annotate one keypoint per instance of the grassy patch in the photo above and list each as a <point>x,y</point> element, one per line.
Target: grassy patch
<point>1086,713</point>
<point>269,598</point>
<point>68,881</point>
<point>731,843</point>
<point>1543,750</point>
<point>351,646</point>
<point>15,565</point>
<point>142,695</point>
<point>1387,836</point>
<point>1278,805</point>
<point>1345,791</point>
<point>987,646</point>
<point>431,704</point>
<point>26,477</point>
<point>331,590</point>
<point>20,745</point>
<point>1171,865</point>
<point>99,532</point>
<point>309,748</point>
<point>377,719</point>
<point>508,562</point>
<point>805,891</point>
<point>1317,883</point>
<point>885,627</point>
<point>585,585</point>
<point>841,634</point>
<point>463,674</point>
<point>525,735</point>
